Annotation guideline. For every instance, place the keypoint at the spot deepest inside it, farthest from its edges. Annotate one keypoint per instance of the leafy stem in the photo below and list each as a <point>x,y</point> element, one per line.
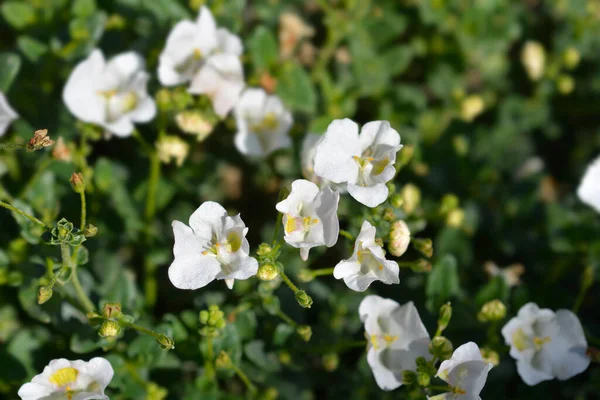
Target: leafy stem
<point>85,301</point>
<point>23,213</point>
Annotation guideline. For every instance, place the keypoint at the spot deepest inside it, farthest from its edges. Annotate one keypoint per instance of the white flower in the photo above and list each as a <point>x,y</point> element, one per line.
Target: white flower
<point>263,124</point>
<point>7,114</point>
<point>208,57</point>
<point>307,160</point>
<point>64,379</point>
<point>172,147</point>
<point>367,264</point>
<point>589,188</point>
<point>546,344</point>
<point>110,94</point>
<point>466,372</point>
<point>214,246</point>
<point>365,162</point>
<point>396,337</point>
<point>310,216</point>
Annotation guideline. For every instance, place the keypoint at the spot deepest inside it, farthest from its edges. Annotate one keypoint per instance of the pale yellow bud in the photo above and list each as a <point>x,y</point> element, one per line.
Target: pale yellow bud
<point>490,356</point>
<point>411,197</point>
<point>172,147</point>
<point>571,58</point>
<point>194,123</point>
<point>533,57</point>
<point>455,218</point>
<point>471,107</point>
<point>493,310</point>
<point>399,238</point>
<point>565,84</point>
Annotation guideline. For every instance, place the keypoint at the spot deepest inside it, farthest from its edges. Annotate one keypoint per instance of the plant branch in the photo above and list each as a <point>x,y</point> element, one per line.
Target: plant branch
<point>23,213</point>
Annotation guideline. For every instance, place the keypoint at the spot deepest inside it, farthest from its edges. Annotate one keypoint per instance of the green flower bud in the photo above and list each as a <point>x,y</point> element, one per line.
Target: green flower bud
<point>271,305</point>
<point>264,249</point>
<point>491,311</point>
<point>455,218</point>
<point>267,272</point>
<point>421,265</point>
<point>115,22</point>
<point>90,231</point>
<point>94,319</point>
<point>571,58</point>
<point>77,182</point>
<point>44,294</point>
<point>441,347</point>
<point>305,332</point>
<point>164,100</point>
<point>165,342</point>
<point>449,202</point>
<point>223,360</point>
<point>565,84</point>
<point>423,379</point>
<point>423,246</point>
<point>155,392</point>
<point>388,214</point>
<point>490,356</point>
<point>285,357</point>
<point>112,310</point>
<point>270,394</point>
<point>331,361</point>
<point>109,328</point>
<point>444,317</point>
<point>399,238</point>
<point>303,299</point>
<point>408,377</point>
<point>204,317</point>
<point>396,200</point>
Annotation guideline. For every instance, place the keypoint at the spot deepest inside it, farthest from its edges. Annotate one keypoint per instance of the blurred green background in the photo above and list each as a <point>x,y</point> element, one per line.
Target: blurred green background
<point>498,101</point>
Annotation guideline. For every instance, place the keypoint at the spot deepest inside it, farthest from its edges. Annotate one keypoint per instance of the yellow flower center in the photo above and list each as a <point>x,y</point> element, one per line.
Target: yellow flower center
<point>539,341</point>
<point>130,102</point>
<point>64,377</point>
<point>520,340</point>
<point>107,93</point>
<point>197,54</point>
<point>232,244</point>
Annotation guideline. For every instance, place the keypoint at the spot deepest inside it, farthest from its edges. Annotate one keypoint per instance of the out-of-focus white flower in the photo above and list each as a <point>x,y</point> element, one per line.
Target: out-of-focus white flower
<point>64,379</point>
<point>546,344</point>
<point>589,188</point>
<point>310,216</point>
<point>214,246</point>
<point>172,147</point>
<point>263,123</point>
<point>511,274</point>
<point>208,57</point>
<point>365,162</point>
<point>110,94</point>
<point>292,29</point>
<point>194,123</point>
<point>533,57</point>
<point>7,114</point>
<point>465,372</point>
<point>367,264</point>
<point>396,338</point>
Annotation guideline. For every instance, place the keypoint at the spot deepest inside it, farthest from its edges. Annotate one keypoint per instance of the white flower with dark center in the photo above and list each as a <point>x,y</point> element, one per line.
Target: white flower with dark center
<point>589,188</point>
<point>396,338</point>
<point>465,372</point>
<point>110,94</point>
<point>70,380</point>
<point>7,114</point>
<point>263,124</point>
<point>546,345</point>
<point>367,264</point>
<point>214,246</point>
<point>365,162</point>
<point>310,216</point>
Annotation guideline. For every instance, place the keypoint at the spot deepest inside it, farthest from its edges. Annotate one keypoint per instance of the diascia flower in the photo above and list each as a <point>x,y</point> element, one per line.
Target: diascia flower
<point>310,216</point>
<point>307,159</point>
<point>64,379</point>
<point>110,94</point>
<point>7,114</point>
<point>208,57</point>
<point>546,344</point>
<point>263,123</point>
<point>396,337</point>
<point>589,188</point>
<point>365,162</point>
<point>214,246</point>
<point>367,264</point>
<point>465,372</point>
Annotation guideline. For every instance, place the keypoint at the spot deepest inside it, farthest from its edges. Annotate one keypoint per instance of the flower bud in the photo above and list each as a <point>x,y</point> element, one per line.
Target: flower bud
<point>423,379</point>
<point>267,272</point>
<point>94,319</point>
<point>461,145</point>
<point>331,361</point>
<point>165,342</point>
<point>396,200</point>
<point>421,265</point>
<point>112,310</point>
<point>204,317</point>
<point>109,328</point>
<point>399,238</point>
<point>270,394</point>
<point>408,377</point>
<point>305,332</point>
<point>44,294</point>
<point>285,357</point>
<point>115,22</point>
<point>449,202</point>
<point>194,123</point>
<point>90,231</point>
<point>264,249</point>
<point>61,152</point>
<point>444,317</point>
<point>455,218</point>
<point>39,141</point>
<point>155,392</point>
<point>490,356</point>
<point>571,58</point>
<point>491,311</point>
<point>388,214</point>
<point>411,197</point>
<point>172,148</point>
<point>565,84</point>
<point>303,299</point>
<point>423,246</point>
<point>305,275</point>
<point>533,58</point>
<point>223,360</point>
<point>471,107</point>
<point>77,182</point>
<point>441,347</point>
<point>163,100</point>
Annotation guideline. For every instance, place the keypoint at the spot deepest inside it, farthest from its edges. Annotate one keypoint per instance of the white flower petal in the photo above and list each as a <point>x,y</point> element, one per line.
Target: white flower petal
<point>180,46</point>
<point>145,111</point>
<point>209,213</point>
<point>229,283</point>
<point>370,196</point>
<point>193,271</point>
<point>333,155</point>
<point>123,127</point>
<point>7,114</point>
<point>530,375</point>
<point>248,144</point>
<point>229,43</point>
<point>373,304</point>
<point>206,31</point>
<point>80,92</point>
<point>34,391</point>
<point>244,268</point>
<point>589,188</point>
<point>386,379</point>
<point>379,132</point>
<point>122,68</point>
<point>187,241</point>
<point>345,269</point>
<point>100,370</point>
<point>359,283</point>
<point>327,211</point>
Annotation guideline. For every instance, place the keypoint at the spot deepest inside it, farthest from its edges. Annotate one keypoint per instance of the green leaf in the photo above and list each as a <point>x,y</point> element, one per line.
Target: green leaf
<point>255,351</point>
<point>9,67</point>
<point>262,47</point>
<point>296,89</point>
<point>246,324</point>
<point>17,13</point>
<point>32,49</point>
<point>29,229</point>
<point>443,282</point>
<point>496,288</point>
<point>282,333</point>
<point>83,8</point>
<point>398,59</point>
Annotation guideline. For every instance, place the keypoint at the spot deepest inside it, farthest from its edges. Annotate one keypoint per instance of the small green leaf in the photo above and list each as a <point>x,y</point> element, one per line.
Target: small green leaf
<point>17,13</point>
<point>443,282</point>
<point>83,8</point>
<point>9,67</point>
<point>32,48</point>
<point>255,351</point>
<point>496,288</point>
<point>282,333</point>
<point>296,89</point>
<point>263,49</point>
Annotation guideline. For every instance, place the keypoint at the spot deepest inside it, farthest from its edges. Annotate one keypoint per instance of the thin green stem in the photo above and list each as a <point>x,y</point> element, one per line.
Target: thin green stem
<point>243,377</point>
<point>85,301</point>
<point>23,213</point>
<point>208,364</point>
<point>276,230</point>
<point>12,146</point>
<point>141,329</point>
<point>152,186</point>
<point>288,281</point>
<point>322,271</point>
<point>147,147</point>
<point>287,318</point>
<point>587,280</point>
<point>346,234</point>
<point>83,210</point>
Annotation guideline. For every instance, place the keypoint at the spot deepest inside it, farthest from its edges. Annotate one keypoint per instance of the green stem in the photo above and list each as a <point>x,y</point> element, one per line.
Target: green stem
<point>140,328</point>
<point>288,281</point>
<point>322,271</point>
<point>587,280</point>
<point>12,146</point>
<point>244,377</point>
<point>152,186</point>
<point>83,210</point>
<point>346,234</point>
<point>276,230</point>
<point>208,364</point>
<point>67,261</point>
<point>287,318</point>
<point>23,213</point>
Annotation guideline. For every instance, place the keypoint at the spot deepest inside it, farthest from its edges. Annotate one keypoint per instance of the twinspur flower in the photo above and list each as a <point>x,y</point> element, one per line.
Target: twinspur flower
<point>307,160</point>
<point>310,216</point>
<point>589,188</point>
<point>466,372</point>
<point>546,344</point>
<point>208,57</point>
<point>213,246</point>
<point>65,380</point>
<point>263,123</point>
<point>367,264</point>
<point>365,162</point>
<point>7,114</point>
<point>396,337</point>
<point>110,94</point>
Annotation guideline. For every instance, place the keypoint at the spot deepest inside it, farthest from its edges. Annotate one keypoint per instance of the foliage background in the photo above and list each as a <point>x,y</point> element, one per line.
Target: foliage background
<point>514,167</point>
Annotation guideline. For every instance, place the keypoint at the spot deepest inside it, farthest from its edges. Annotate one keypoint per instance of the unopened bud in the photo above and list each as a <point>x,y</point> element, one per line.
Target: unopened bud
<point>571,58</point>
<point>44,294</point>
<point>264,249</point>
<point>455,218</point>
<point>270,394</point>
<point>411,197</point>
<point>423,246</point>
<point>449,202</point>
<point>40,140</point>
<point>305,332</point>
<point>303,299</point>
<point>223,360</point>
<point>533,57</point>
<point>331,361</point>
<point>90,231</point>
<point>112,310</point>
<point>490,356</point>
<point>565,84</point>
<point>194,123</point>
<point>388,214</point>
<point>267,272</point>
<point>165,342</point>
<point>471,107</point>
<point>77,182</point>
<point>408,377</point>
<point>491,311</point>
<point>399,238</point>
<point>396,200</point>
<point>61,152</point>
<point>423,379</point>
<point>285,357</point>
<point>441,347</point>
<point>109,328</point>
<point>164,100</point>
<point>94,319</point>
<point>171,148</point>
<point>305,275</point>
<point>445,316</point>
<point>421,265</point>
